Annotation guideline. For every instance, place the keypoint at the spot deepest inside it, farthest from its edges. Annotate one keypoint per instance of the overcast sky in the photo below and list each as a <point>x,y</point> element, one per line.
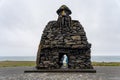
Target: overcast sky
<point>22,23</point>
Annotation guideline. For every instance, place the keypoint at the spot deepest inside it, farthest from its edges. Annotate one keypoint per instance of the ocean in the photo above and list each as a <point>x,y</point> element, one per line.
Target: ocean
<point>33,58</point>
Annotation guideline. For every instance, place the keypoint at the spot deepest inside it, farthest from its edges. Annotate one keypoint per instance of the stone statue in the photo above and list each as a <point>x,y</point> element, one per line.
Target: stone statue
<point>64,38</point>
<point>65,61</point>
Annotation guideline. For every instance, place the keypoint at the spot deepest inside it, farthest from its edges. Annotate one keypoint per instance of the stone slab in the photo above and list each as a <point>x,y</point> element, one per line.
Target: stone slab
<point>61,70</point>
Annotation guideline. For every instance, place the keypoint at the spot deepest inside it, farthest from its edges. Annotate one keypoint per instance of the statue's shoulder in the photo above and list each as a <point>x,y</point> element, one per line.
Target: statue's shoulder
<point>75,21</point>
<point>52,22</point>
<point>50,25</point>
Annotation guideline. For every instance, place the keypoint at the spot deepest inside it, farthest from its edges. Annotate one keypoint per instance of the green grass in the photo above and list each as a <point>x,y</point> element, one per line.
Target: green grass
<point>16,63</point>
<point>106,63</point>
<point>32,63</point>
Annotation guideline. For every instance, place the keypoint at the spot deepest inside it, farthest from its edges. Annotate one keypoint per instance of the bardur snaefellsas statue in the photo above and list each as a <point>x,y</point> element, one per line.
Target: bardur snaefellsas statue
<point>64,44</point>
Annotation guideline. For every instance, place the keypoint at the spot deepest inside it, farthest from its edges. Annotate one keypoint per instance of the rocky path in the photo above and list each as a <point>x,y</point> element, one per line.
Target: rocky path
<point>17,73</point>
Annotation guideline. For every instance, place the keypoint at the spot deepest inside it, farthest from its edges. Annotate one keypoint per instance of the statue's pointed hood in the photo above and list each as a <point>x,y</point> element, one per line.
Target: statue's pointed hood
<point>64,8</point>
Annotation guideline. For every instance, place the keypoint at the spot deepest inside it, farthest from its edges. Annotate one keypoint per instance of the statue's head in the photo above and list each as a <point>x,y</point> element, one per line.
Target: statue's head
<point>65,56</point>
<point>63,11</point>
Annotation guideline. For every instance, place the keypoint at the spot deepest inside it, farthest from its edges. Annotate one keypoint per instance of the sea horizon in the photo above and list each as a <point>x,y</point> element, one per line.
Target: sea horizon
<point>100,58</point>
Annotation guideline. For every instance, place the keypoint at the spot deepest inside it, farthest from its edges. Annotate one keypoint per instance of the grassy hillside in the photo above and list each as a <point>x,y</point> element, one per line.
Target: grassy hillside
<point>16,63</point>
<point>32,63</point>
<point>106,63</point>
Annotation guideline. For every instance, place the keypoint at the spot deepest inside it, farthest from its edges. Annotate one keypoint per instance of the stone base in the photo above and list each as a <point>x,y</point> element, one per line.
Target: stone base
<point>61,70</point>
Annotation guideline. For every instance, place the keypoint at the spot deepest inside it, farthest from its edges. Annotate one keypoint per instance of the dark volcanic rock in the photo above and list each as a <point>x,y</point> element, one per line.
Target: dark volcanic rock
<point>64,36</point>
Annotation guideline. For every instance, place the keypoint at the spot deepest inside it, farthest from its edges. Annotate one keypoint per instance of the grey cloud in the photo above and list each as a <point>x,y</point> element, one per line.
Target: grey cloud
<point>22,23</point>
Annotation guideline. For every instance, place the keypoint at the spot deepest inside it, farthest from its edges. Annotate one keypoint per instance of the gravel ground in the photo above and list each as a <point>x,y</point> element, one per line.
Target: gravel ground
<point>17,73</point>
